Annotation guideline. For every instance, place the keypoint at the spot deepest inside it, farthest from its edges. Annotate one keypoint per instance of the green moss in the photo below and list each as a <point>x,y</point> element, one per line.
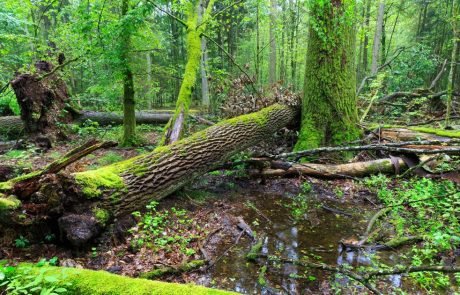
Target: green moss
<point>102,216</point>
<point>259,118</point>
<point>93,181</point>
<point>82,282</point>
<point>439,132</point>
<point>261,278</point>
<point>255,250</point>
<point>9,203</point>
<point>429,130</point>
<point>329,110</point>
<point>4,186</point>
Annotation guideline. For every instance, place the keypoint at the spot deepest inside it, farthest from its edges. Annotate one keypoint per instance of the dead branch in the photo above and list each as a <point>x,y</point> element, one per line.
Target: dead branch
<point>397,147</point>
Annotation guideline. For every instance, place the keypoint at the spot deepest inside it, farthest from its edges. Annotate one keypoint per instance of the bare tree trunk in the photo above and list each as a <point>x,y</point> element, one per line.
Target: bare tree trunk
<point>377,38</point>
<point>149,81</point>
<point>203,66</point>
<point>272,35</point>
<point>453,61</point>
<point>366,37</point>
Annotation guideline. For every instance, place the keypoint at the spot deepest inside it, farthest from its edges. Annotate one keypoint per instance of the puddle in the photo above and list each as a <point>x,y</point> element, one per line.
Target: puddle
<point>317,237</point>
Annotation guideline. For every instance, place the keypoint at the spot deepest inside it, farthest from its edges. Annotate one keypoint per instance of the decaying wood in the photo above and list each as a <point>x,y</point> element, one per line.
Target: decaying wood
<point>42,100</point>
<point>117,190</point>
<point>398,147</point>
<point>358,169</point>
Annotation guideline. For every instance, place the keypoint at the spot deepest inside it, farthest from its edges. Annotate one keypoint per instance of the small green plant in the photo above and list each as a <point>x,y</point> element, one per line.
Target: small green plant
<point>27,280</point>
<point>21,242</point>
<point>299,207</point>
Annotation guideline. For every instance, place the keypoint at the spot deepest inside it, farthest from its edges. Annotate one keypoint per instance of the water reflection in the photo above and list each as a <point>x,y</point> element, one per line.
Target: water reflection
<point>293,241</point>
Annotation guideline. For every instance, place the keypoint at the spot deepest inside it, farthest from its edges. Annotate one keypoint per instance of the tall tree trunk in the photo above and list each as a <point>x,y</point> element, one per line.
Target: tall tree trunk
<point>329,112</point>
<point>203,65</point>
<point>149,85</point>
<point>84,202</point>
<point>175,127</point>
<point>377,38</point>
<point>257,63</point>
<point>272,35</point>
<point>366,37</point>
<point>453,61</point>
<point>129,116</point>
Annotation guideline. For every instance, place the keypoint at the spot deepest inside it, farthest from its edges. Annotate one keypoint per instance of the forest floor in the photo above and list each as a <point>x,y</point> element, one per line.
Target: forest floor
<point>217,220</point>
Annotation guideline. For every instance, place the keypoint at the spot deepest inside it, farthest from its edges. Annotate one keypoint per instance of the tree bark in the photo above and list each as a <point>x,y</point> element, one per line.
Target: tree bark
<point>83,203</point>
<point>329,111</point>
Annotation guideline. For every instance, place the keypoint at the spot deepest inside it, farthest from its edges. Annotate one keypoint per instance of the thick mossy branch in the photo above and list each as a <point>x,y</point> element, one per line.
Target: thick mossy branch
<point>82,281</point>
<point>174,128</point>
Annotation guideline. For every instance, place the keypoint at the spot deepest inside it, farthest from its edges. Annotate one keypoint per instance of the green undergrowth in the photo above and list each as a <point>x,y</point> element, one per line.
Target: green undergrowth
<point>424,208</point>
<point>43,278</point>
<point>167,230</point>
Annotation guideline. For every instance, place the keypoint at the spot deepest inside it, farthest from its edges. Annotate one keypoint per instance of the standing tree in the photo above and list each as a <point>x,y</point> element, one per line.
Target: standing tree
<point>272,35</point>
<point>377,38</point>
<point>129,115</point>
<point>453,61</point>
<point>195,28</point>
<point>329,112</point>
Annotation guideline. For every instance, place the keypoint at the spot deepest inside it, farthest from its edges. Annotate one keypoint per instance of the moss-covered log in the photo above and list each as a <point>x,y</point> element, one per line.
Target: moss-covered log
<point>90,282</point>
<point>119,189</point>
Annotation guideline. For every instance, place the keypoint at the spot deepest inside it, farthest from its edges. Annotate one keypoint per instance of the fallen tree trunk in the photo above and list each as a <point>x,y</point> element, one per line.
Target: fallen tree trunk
<point>83,203</point>
<point>13,125</point>
<point>358,169</point>
<point>109,118</point>
<point>417,133</point>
